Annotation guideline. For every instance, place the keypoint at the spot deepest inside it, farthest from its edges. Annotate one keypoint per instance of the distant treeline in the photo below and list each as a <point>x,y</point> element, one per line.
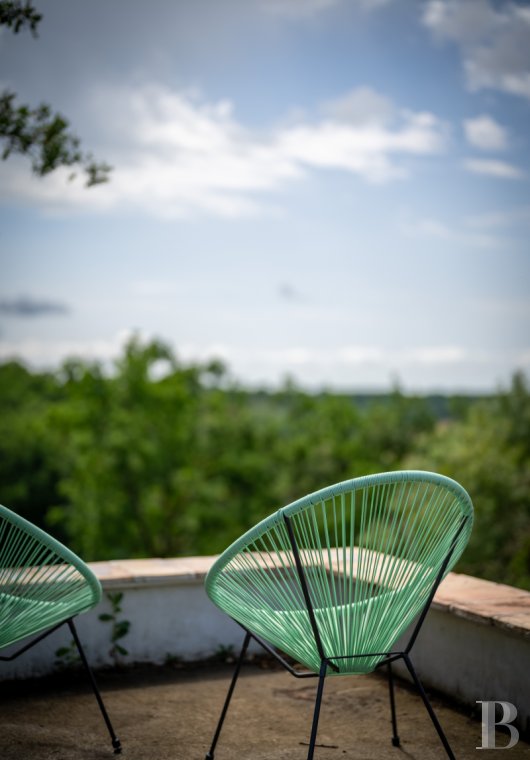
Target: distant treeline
<point>161,458</point>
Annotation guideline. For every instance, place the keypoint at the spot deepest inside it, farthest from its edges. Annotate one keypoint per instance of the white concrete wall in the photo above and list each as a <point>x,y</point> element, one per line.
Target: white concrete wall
<point>461,657</point>
<point>166,621</point>
<point>472,661</point>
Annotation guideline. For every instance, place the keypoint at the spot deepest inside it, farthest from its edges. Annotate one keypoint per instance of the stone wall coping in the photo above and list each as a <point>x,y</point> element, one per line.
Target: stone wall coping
<point>485,602</point>
<point>151,572</point>
<point>468,597</point>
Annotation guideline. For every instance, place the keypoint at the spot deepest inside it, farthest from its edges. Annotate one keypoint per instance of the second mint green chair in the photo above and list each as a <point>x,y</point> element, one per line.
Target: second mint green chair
<point>335,578</point>
<point>43,585</point>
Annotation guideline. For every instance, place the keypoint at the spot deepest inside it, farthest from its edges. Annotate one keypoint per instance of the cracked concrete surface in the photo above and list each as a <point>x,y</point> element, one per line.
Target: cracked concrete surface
<point>170,714</point>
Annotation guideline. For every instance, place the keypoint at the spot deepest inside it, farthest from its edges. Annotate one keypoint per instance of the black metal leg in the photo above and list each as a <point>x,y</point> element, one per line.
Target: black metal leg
<point>427,704</point>
<point>316,714</point>
<point>31,643</point>
<point>395,737</point>
<point>210,754</point>
<point>115,741</point>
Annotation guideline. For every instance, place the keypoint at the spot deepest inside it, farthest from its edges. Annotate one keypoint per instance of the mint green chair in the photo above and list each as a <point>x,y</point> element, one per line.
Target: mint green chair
<point>334,579</point>
<point>43,585</point>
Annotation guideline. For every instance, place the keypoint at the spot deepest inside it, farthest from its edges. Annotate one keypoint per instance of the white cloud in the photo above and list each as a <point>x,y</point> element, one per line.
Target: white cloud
<point>423,367</point>
<point>494,41</point>
<point>465,21</point>
<point>154,289</point>
<point>175,154</point>
<point>363,105</point>
<point>453,233</point>
<point>360,354</point>
<point>492,168</point>
<point>362,150</point>
<point>49,353</point>
<point>352,366</point>
<point>437,355</point>
<point>523,360</point>
<point>485,133</point>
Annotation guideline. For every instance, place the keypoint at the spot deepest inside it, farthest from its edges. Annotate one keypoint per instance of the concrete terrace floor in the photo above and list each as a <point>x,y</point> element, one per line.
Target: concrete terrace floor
<point>168,713</point>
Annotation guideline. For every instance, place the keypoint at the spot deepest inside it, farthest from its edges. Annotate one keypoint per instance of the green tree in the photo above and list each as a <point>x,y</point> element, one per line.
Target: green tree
<point>489,453</point>
<point>159,458</point>
<point>392,426</point>
<point>38,132</point>
<point>29,467</point>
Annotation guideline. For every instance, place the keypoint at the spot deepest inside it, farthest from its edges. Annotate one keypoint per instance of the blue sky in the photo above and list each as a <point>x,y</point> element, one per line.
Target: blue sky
<point>332,190</point>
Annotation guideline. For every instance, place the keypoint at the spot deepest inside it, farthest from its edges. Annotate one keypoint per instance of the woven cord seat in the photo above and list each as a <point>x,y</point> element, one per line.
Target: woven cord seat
<point>43,585</point>
<point>335,578</point>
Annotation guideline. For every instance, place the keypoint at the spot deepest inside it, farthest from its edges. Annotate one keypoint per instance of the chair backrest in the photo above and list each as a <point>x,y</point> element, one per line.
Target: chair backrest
<point>42,583</point>
<point>370,549</point>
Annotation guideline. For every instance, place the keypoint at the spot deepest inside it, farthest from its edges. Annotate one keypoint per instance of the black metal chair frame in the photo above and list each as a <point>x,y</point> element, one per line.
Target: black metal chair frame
<point>328,662</point>
<point>116,744</point>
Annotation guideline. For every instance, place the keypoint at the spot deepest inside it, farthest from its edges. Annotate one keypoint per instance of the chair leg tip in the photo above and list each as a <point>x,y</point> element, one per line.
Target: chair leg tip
<point>395,741</point>
<point>117,746</point>
<point>209,756</point>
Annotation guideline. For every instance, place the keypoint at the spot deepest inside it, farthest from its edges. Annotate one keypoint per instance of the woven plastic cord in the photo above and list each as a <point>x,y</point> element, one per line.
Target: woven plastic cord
<point>371,550</point>
<point>42,583</point>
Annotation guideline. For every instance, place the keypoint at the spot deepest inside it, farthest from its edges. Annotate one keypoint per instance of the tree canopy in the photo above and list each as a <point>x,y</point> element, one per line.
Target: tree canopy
<point>162,458</point>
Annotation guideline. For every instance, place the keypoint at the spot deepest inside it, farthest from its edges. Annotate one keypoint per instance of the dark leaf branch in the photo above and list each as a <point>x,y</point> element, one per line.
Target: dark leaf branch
<point>44,137</point>
<point>17,15</point>
<point>39,133</point>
